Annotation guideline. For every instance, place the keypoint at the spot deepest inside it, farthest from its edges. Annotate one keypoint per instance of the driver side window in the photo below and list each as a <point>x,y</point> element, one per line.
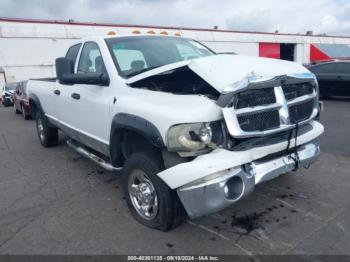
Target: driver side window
<point>91,59</point>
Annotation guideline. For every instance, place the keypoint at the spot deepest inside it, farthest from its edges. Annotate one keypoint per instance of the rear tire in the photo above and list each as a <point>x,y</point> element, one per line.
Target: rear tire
<point>163,208</point>
<point>47,134</point>
<point>25,116</point>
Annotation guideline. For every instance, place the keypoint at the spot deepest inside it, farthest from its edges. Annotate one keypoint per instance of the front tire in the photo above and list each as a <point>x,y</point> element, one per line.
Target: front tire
<point>150,200</point>
<point>47,134</point>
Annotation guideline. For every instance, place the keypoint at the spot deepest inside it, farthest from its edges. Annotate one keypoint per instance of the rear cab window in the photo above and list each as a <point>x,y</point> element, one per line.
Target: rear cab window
<point>72,52</point>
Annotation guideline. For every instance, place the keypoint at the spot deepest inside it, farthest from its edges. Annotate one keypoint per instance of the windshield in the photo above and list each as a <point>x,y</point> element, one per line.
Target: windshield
<point>10,87</point>
<point>134,55</point>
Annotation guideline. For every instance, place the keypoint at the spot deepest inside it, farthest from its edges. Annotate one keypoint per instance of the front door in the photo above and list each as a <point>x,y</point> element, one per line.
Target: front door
<point>89,104</point>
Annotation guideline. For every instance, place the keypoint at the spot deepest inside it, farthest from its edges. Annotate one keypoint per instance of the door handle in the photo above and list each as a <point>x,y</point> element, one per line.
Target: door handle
<point>75,96</point>
<point>57,92</point>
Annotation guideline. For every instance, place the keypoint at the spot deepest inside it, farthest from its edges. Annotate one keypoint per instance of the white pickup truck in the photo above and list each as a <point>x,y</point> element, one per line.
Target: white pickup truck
<point>192,131</point>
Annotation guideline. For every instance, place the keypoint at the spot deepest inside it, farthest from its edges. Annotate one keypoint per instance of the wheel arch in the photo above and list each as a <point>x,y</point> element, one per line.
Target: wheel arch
<point>144,134</point>
<point>34,104</point>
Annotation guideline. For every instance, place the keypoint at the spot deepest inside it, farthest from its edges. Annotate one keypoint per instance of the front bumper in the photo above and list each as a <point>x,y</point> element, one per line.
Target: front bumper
<point>234,184</point>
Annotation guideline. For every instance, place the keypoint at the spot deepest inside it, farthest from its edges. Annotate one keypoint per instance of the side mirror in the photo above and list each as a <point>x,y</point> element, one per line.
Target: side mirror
<point>63,66</point>
<point>65,74</point>
<point>101,79</point>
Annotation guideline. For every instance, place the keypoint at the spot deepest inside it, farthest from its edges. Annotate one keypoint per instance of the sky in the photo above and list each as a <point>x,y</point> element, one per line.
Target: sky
<point>320,16</point>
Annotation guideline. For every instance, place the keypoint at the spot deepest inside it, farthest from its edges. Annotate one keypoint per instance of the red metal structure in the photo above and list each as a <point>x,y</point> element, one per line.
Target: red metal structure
<point>317,55</point>
<point>271,50</point>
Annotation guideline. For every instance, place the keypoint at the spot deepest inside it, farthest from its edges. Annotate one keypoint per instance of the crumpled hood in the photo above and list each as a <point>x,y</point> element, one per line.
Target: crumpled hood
<point>222,70</point>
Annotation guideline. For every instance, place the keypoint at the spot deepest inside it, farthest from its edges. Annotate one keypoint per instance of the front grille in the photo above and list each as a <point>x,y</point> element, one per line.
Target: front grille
<point>292,91</point>
<point>255,97</point>
<point>301,112</point>
<point>260,121</point>
<point>270,108</point>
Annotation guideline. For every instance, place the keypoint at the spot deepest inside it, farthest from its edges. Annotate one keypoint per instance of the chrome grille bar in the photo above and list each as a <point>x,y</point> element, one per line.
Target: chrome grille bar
<point>257,109</point>
<point>302,99</point>
<point>282,104</point>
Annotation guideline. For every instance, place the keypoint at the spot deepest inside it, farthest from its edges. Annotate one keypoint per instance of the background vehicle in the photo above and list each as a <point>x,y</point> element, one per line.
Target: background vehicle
<point>7,94</point>
<point>333,77</point>
<point>21,101</point>
<point>191,130</point>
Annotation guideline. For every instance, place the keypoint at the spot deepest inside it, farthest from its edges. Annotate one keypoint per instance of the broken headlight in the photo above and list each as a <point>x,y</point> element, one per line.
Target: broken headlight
<point>194,137</point>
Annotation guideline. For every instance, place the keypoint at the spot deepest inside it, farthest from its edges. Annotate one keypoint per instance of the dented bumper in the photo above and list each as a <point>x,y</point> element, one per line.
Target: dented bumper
<point>214,195</point>
<point>216,180</point>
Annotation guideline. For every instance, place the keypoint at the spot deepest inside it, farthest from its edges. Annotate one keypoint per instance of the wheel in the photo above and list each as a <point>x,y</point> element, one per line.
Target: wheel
<point>15,109</point>
<point>150,200</point>
<point>324,96</point>
<point>25,116</point>
<point>47,134</point>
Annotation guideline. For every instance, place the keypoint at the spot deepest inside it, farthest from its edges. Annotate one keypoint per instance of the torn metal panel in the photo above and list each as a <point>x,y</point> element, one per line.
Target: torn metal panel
<point>180,81</point>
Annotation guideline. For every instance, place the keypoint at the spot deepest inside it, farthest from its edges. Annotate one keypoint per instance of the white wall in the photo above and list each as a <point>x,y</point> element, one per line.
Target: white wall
<point>24,58</point>
<point>28,50</point>
<point>250,49</point>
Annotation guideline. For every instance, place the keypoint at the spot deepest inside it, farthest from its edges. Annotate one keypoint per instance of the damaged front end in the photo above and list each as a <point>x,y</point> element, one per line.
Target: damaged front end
<point>268,128</point>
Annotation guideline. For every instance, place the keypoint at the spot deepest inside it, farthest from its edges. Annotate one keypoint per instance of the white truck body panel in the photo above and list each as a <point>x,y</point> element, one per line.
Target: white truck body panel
<point>92,115</point>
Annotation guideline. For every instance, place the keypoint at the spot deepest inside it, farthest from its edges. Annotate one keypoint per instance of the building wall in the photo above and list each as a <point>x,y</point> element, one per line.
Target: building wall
<point>249,49</point>
<point>28,48</point>
<point>24,58</point>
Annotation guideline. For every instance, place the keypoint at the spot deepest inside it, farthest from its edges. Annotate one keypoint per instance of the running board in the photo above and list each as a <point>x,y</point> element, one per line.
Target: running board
<point>84,152</point>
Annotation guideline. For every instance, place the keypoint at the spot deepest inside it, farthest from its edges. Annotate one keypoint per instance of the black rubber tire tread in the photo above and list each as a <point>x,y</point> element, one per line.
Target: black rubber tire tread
<point>170,210</point>
<point>6,103</point>
<point>25,116</point>
<point>50,133</point>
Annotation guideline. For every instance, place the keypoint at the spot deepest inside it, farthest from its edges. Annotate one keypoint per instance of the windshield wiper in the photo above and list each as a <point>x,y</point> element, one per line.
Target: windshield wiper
<point>142,71</point>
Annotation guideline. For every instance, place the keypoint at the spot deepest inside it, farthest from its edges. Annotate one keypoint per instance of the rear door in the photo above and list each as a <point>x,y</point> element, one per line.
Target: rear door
<point>333,78</point>
<point>342,71</point>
